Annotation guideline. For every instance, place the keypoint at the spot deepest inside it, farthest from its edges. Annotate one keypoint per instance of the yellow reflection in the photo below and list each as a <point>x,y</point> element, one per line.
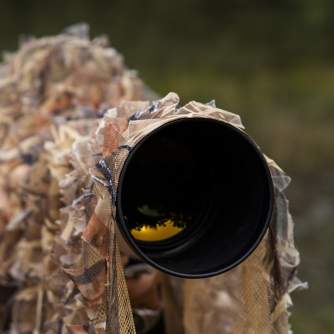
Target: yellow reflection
<point>158,233</point>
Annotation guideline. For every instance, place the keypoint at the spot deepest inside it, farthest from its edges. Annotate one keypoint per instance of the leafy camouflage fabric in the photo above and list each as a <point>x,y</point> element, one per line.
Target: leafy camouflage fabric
<point>252,298</point>
<point>52,92</point>
<point>66,125</point>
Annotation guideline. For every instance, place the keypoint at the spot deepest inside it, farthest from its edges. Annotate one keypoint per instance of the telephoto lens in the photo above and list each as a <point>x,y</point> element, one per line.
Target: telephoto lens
<point>194,197</point>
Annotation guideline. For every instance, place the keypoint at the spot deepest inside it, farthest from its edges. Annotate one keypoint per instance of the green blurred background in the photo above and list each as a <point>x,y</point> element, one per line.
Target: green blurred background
<point>269,61</point>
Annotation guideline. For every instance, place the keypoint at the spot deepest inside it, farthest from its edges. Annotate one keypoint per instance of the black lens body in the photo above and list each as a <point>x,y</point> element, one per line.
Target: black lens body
<point>210,171</point>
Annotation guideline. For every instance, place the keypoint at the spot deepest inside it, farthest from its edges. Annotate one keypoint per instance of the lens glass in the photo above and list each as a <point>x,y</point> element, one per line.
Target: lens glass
<point>194,197</point>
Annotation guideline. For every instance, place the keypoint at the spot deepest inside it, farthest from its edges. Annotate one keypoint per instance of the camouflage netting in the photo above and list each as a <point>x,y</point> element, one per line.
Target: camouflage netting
<point>252,298</point>
<point>62,149</point>
<point>52,92</point>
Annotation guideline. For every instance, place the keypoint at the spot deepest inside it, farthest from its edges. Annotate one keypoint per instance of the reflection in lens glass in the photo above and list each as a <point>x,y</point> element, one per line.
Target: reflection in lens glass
<point>158,233</point>
<point>156,225</point>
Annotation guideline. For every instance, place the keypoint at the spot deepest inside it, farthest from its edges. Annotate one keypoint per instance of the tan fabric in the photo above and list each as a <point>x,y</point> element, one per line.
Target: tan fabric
<point>59,172</point>
<point>252,298</point>
<point>52,91</point>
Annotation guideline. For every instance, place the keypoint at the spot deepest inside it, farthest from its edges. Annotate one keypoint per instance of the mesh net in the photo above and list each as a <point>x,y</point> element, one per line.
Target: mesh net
<point>60,169</point>
<point>252,298</point>
<point>54,220</point>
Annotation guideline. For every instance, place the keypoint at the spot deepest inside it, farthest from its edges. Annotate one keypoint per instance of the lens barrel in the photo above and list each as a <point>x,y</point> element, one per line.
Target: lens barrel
<point>195,197</point>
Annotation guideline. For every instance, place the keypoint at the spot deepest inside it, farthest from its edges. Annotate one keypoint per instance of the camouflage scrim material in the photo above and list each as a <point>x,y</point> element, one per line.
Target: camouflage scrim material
<point>252,298</point>
<point>52,92</point>
<point>66,124</point>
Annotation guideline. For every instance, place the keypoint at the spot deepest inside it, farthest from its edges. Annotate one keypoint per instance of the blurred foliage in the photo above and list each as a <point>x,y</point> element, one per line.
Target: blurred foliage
<point>270,61</point>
